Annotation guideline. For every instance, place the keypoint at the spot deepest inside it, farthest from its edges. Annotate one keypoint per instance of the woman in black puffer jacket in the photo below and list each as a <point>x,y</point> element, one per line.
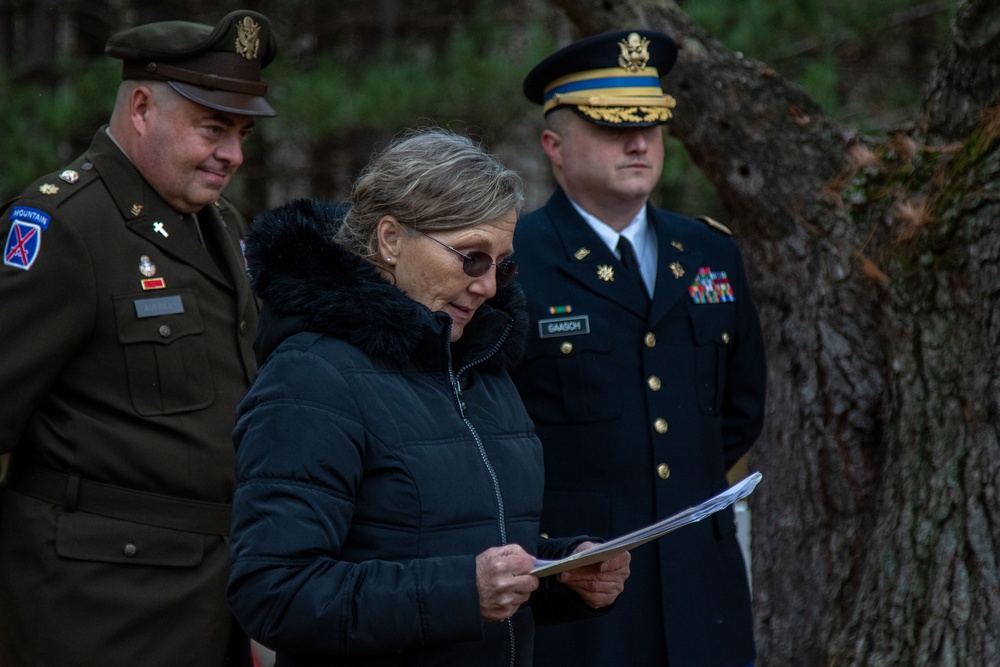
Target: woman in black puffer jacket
<point>389,479</point>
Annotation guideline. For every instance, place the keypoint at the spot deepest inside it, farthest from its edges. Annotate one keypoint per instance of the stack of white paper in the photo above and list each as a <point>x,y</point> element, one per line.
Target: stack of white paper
<point>613,547</point>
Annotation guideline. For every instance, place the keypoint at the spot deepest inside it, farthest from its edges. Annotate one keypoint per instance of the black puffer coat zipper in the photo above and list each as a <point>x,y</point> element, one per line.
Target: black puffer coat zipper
<point>456,386</point>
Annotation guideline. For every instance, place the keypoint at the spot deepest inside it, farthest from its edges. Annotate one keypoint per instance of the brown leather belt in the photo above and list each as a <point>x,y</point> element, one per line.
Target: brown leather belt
<point>73,493</point>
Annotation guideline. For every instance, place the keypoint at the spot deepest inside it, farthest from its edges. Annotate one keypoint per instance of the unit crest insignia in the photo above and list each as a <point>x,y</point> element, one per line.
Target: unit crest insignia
<point>605,272</point>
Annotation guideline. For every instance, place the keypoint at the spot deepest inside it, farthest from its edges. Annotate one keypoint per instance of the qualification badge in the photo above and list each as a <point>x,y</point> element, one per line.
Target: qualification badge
<point>146,266</point>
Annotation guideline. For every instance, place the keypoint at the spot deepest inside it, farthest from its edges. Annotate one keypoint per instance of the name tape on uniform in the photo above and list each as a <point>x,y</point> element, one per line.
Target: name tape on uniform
<point>564,326</point>
<point>163,305</point>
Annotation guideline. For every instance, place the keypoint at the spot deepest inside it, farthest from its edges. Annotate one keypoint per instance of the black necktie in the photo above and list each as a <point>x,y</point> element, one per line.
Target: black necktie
<point>629,261</point>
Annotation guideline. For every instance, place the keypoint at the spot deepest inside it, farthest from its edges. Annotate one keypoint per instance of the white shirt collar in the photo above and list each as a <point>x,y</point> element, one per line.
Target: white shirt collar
<point>640,234</point>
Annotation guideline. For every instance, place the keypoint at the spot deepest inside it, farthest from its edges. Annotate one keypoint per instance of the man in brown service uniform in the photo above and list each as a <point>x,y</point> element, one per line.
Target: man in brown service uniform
<point>127,329</point>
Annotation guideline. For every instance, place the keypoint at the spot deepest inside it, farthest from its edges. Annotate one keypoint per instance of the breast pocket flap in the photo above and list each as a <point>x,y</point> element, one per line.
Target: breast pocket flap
<point>160,319</point>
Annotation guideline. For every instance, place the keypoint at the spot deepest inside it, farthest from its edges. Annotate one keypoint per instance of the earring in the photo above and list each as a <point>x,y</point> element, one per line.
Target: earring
<point>389,260</point>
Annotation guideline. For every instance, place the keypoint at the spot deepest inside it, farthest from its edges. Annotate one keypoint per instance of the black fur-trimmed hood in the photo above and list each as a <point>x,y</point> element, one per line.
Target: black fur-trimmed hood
<point>307,283</point>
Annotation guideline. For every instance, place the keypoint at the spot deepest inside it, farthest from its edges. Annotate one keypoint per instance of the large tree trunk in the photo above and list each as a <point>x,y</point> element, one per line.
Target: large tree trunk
<point>929,591</point>
<point>876,267</point>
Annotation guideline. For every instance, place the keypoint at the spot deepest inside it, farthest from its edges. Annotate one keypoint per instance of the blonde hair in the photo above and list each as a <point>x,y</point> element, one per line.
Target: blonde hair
<point>428,179</point>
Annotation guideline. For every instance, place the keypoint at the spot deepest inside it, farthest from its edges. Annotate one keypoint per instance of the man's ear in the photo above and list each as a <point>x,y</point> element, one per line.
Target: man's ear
<point>140,106</point>
<point>552,145</point>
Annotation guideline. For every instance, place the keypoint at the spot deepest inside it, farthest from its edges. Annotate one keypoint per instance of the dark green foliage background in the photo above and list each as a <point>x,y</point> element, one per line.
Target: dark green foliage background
<point>351,74</point>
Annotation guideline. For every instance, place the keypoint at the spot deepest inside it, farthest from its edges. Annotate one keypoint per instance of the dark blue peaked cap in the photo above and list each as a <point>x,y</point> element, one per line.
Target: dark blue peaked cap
<point>610,79</point>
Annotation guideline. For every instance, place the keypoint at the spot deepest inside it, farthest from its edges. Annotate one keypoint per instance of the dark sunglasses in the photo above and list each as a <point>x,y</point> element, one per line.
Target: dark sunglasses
<point>477,263</point>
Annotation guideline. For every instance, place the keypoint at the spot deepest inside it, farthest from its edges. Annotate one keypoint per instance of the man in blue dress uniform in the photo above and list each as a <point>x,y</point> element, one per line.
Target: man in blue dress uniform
<point>645,369</point>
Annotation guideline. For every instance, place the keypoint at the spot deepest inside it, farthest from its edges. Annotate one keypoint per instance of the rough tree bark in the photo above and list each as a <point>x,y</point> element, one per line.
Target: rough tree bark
<point>876,266</point>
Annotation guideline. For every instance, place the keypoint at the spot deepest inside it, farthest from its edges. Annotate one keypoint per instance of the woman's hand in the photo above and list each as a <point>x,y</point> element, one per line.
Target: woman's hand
<point>504,582</point>
<point>601,583</point>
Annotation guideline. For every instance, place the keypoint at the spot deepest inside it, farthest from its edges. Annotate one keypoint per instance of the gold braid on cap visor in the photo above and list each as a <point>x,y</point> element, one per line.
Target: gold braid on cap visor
<point>612,95</point>
<point>627,114</point>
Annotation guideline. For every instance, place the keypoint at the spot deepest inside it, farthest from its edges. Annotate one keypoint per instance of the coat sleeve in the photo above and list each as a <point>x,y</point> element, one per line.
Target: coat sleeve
<point>48,312</point>
<point>300,460</point>
<point>554,602</point>
<point>746,376</point>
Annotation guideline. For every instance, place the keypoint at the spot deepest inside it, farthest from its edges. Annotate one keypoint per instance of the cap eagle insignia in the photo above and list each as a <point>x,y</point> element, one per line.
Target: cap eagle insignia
<point>247,38</point>
<point>634,52</point>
